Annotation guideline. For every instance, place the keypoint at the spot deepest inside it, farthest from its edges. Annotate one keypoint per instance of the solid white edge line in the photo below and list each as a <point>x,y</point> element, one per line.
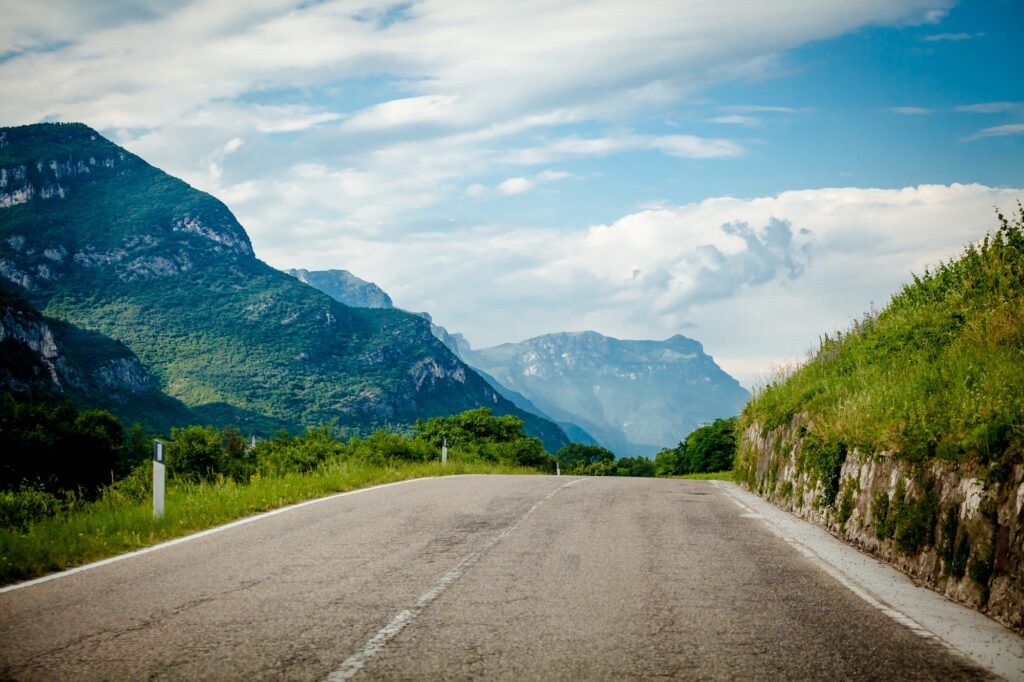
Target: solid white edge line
<point>357,661</point>
<point>847,581</point>
<point>209,531</point>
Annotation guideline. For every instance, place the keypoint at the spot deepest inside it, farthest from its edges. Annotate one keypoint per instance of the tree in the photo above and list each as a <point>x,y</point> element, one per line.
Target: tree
<point>575,455</point>
<point>195,453</point>
<point>712,447</point>
<point>471,426</point>
<point>709,448</point>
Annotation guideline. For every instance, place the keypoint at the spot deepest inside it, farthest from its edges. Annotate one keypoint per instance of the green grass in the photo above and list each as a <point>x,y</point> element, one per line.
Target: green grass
<point>114,525</point>
<point>938,374</point>
<point>707,476</point>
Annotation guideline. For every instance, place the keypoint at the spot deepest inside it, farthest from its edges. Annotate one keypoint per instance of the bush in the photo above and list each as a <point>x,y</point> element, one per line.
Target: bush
<point>19,508</point>
<point>195,454</point>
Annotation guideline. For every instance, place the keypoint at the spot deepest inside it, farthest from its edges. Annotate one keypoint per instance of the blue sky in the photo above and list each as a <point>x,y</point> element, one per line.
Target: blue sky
<point>749,176</point>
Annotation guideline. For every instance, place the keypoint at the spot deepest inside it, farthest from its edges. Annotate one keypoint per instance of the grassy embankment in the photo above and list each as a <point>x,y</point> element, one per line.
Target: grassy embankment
<point>118,523</point>
<point>937,375</point>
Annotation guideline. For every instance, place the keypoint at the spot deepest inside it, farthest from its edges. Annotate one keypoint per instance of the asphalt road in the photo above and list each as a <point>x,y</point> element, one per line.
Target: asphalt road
<point>475,577</point>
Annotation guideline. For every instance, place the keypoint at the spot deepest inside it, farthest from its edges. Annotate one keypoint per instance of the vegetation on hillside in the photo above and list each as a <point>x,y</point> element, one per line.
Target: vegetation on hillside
<point>937,374</point>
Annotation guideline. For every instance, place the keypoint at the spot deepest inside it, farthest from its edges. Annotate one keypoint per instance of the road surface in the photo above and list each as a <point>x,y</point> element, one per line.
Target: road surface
<point>471,577</point>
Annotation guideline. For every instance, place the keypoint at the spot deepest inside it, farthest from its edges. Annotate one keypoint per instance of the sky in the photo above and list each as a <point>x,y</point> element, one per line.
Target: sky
<point>751,175</point>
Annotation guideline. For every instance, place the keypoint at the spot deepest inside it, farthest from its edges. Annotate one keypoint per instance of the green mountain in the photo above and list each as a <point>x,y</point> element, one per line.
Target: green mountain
<point>95,237</point>
<point>42,358</point>
<point>634,397</point>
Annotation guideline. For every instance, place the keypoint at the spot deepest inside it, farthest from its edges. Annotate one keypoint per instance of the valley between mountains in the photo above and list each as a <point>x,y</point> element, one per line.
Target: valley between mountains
<point>127,289</point>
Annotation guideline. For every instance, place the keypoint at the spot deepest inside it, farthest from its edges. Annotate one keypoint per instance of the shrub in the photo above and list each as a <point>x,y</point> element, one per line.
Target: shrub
<point>19,508</point>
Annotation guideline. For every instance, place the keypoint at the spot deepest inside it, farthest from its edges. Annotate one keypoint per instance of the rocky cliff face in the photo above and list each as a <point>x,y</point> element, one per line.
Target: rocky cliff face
<point>634,397</point>
<point>941,523</point>
<point>47,358</point>
<point>85,168</point>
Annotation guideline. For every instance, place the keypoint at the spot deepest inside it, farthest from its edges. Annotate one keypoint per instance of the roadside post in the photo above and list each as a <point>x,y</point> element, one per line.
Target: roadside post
<point>444,450</point>
<point>558,468</point>
<point>158,479</point>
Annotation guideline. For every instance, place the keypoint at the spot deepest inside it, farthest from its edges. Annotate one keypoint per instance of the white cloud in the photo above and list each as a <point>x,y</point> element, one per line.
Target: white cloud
<point>755,280</point>
<point>764,109</point>
<point>550,175</point>
<point>737,119</point>
<point>682,146</point>
<point>396,113</point>
<point>214,160</point>
<point>999,131</point>
<point>990,107</point>
<point>951,37</point>
<point>909,111</point>
<point>515,186</point>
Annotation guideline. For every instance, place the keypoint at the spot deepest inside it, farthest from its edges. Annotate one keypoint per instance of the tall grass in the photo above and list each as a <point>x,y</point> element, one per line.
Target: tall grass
<point>939,373</point>
<point>119,522</point>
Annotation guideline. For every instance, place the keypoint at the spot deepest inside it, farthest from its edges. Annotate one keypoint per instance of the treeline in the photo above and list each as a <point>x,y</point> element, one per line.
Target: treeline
<point>709,449</point>
<point>54,457</point>
<point>202,453</point>
<point>577,459</point>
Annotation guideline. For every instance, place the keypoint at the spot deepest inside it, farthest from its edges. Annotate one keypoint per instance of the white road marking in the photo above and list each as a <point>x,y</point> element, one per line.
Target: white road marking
<point>208,531</point>
<point>357,661</point>
<point>960,630</point>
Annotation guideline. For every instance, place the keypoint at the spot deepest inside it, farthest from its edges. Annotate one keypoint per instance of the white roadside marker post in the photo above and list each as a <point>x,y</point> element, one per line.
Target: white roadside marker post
<point>558,468</point>
<point>158,479</point>
<point>444,450</point>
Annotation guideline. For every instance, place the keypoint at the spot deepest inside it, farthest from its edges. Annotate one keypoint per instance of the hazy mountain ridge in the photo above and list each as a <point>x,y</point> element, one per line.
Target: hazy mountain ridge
<point>349,289</point>
<point>343,286</point>
<point>96,237</point>
<point>635,397</point>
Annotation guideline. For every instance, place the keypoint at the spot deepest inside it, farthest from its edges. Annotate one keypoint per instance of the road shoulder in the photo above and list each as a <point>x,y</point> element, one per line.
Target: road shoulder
<point>927,613</point>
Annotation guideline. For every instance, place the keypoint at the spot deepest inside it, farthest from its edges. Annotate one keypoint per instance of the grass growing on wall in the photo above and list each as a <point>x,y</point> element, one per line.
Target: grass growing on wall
<point>937,374</point>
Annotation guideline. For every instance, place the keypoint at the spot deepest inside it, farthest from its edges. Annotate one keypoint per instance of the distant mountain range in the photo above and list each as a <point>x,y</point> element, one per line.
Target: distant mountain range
<point>633,397</point>
<point>95,239</point>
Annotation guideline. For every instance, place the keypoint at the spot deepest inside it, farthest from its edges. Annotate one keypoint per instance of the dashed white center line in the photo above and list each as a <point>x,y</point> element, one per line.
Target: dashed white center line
<point>357,661</point>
